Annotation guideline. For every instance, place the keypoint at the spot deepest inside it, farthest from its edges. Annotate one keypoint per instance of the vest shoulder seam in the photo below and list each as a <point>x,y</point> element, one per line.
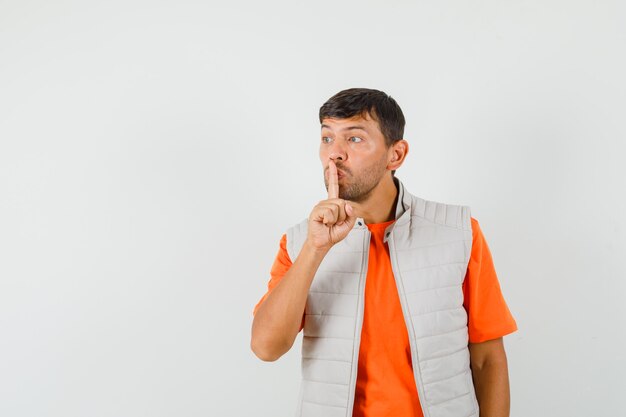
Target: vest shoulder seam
<point>422,203</point>
<point>460,227</point>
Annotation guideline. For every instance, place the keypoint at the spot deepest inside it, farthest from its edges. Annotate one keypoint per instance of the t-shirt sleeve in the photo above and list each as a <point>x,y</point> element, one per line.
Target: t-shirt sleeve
<point>488,314</point>
<point>281,265</point>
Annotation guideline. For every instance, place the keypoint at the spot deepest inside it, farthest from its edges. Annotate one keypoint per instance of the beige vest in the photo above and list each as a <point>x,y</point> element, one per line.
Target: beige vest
<point>429,246</point>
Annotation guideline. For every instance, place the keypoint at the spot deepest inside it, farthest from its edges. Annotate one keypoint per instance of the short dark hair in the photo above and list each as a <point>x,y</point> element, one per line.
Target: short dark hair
<point>361,101</point>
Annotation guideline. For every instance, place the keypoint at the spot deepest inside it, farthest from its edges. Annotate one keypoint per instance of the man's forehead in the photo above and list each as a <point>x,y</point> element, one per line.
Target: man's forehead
<point>354,122</point>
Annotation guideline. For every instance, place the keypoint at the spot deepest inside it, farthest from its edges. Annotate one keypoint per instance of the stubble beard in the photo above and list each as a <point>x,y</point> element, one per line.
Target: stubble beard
<point>360,188</point>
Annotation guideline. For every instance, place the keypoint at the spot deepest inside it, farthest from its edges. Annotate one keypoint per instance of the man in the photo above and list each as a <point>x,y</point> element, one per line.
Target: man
<point>397,296</point>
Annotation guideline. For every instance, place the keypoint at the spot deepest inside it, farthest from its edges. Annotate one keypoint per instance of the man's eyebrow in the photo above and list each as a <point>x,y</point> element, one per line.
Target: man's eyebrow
<point>355,127</point>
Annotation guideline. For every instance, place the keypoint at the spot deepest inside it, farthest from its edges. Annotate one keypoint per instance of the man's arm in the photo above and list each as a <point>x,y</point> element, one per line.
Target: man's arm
<point>491,377</point>
<point>277,321</point>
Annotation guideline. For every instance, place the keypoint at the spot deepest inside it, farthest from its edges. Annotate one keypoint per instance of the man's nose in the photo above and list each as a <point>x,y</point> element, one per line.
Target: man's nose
<point>337,152</point>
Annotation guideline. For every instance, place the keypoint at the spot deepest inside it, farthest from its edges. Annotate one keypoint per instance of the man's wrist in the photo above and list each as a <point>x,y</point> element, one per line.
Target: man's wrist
<point>313,250</point>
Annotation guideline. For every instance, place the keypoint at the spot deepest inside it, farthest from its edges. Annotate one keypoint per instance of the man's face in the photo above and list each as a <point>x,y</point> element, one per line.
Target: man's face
<point>357,146</point>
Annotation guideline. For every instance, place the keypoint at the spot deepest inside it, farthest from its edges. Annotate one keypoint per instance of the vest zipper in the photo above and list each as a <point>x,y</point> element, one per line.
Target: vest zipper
<point>359,322</point>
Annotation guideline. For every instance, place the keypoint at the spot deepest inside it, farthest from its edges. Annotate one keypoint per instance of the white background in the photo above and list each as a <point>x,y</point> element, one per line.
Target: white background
<point>152,154</point>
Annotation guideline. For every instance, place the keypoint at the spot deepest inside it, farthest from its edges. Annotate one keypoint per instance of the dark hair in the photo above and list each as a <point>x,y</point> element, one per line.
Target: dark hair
<point>361,101</point>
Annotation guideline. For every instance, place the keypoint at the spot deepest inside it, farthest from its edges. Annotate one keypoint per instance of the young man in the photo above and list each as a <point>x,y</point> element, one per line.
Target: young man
<point>397,296</point>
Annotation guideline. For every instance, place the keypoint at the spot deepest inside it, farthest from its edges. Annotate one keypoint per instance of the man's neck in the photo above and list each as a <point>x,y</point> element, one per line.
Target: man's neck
<point>380,207</point>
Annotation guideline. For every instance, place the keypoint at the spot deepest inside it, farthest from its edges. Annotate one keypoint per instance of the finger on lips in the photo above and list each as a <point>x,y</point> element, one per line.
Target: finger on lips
<point>333,180</point>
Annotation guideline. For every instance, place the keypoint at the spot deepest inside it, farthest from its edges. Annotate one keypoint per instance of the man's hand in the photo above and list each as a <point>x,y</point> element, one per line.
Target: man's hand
<point>277,321</point>
<point>331,220</point>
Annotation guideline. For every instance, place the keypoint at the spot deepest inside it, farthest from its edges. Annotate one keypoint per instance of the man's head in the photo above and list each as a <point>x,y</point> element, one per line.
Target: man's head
<point>362,133</point>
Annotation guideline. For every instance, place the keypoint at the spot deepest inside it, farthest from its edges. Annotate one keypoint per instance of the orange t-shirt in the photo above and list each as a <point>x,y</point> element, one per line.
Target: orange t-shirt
<point>385,385</point>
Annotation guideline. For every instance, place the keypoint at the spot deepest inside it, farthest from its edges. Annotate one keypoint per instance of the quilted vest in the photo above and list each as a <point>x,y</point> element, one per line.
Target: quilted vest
<point>429,246</point>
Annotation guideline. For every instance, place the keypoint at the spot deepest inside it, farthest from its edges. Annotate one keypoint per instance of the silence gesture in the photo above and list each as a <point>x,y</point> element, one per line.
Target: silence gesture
<point>331,220</point>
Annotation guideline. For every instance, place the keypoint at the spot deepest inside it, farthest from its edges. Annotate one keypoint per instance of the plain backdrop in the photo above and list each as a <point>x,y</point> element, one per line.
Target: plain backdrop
<point>153,153</point>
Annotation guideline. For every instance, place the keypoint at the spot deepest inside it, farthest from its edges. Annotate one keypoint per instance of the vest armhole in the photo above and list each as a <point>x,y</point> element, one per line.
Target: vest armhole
<point>295,239</point>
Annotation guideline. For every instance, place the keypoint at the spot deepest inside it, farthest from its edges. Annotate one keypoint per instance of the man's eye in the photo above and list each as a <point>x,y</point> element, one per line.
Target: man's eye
<point>356,137</point>
<point>324,139</point>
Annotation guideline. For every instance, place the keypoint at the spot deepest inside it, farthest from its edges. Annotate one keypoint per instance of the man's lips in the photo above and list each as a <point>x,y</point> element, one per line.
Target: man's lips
<point>340,174</point>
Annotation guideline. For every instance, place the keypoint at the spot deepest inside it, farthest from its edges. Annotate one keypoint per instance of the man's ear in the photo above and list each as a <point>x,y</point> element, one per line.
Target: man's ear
<point>400,149</point>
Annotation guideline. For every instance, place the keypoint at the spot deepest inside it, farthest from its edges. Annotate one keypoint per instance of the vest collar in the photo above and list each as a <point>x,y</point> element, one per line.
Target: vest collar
<point>403,210</point>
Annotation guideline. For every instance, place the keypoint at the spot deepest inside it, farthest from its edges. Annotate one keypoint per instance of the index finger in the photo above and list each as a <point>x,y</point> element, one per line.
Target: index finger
<point>333,181</point>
